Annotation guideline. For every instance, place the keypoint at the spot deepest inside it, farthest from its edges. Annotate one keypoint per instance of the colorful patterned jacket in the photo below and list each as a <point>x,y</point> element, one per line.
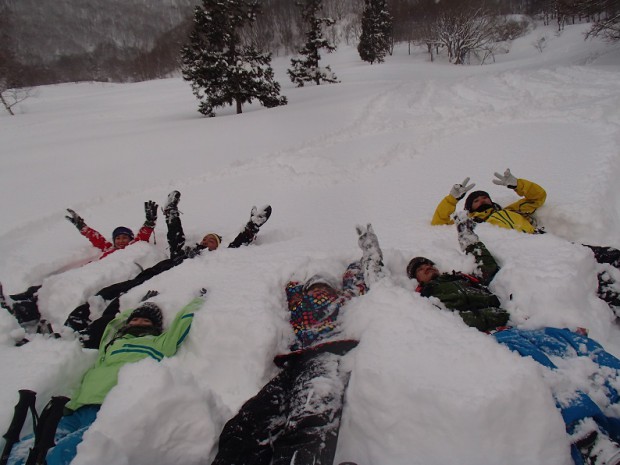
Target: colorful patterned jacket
<point>314,319</point>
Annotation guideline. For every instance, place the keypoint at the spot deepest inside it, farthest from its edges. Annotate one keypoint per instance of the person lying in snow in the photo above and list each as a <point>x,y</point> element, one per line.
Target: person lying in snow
<point>594,434</point>
<point>519,216</point>
<point>121,236</point>
<point>24,306</point>
<point>130,337</point>
<point>283,423</point>
<point>79,319</point>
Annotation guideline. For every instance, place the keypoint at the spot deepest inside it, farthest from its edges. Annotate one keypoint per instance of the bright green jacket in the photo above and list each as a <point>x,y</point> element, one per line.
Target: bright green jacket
<point>517,215</point>
<point>115,353</point>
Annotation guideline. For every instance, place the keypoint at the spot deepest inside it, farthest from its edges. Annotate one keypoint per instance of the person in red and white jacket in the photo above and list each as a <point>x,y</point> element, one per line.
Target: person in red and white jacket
<point>121,236</point>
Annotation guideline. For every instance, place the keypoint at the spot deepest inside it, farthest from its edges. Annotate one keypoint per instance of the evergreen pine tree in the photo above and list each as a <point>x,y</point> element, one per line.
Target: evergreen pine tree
<point>307,69</point>
<point>222,68</point>
<point>376,31</point>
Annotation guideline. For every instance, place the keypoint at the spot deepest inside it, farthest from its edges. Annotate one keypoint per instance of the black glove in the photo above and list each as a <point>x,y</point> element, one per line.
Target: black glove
<point>149,294</point>
<point>150,211</point>
<point>75,219</point>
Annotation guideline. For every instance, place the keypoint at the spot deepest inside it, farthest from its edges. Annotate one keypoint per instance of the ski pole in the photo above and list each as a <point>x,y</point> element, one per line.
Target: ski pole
<point>26,401</point>
<point>46,430</point>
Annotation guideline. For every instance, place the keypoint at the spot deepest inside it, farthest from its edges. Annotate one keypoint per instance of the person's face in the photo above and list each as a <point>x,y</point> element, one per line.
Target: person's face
<point>479,201</point>
<point>140,321</point>
<point>426,273</point>
<point>121,241</point>
<point>209,242</point>
<point>320,290</point>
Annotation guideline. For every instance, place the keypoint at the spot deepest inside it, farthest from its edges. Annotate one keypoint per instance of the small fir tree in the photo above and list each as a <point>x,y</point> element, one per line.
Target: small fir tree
<point>307,69</point>
<point>221,68</point>
<point>376,31</point>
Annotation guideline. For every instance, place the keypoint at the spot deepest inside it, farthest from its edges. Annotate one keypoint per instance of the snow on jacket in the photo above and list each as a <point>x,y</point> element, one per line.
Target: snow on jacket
<point>115,353</point>
<point>469,295</point>
<point>314,318</point>
<point>517,215</point>
<point>99,241</point>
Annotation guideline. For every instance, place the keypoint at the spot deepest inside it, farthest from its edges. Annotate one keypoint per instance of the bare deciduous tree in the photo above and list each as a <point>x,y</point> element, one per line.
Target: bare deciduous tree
<point>465,31</point>
<point>11,97</point>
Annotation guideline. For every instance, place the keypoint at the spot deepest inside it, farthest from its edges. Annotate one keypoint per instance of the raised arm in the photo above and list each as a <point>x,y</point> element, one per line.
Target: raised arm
<point>447,206</point>
<point>470,243</point>
<point>534,196</point>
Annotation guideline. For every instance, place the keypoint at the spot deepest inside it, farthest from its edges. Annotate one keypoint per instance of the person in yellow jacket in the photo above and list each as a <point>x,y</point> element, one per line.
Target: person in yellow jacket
<point>519,216</point>
<point>481,208</point>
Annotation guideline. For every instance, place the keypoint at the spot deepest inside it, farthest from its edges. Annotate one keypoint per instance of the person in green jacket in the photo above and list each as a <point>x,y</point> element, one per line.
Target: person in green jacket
<point>132,336</point>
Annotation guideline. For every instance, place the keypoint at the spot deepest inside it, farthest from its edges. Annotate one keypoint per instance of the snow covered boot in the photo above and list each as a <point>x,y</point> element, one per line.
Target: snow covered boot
<point>609,291</point>
<point>372,256</point>
<point>171,210</point>
<point>27,315</point>
<point>45,327</point>
<point>260,217</point>
<point>597,448</point>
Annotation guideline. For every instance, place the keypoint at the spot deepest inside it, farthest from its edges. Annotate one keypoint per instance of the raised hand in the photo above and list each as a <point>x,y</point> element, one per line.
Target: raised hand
<point>506,179</point>
<point>150,213</point>
<point>465,229</point>
<point>75,219</point>
<point>458,191</point>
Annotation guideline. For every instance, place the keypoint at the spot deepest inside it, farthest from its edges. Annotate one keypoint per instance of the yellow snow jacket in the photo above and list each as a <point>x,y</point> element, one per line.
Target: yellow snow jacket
<point>517,215</point>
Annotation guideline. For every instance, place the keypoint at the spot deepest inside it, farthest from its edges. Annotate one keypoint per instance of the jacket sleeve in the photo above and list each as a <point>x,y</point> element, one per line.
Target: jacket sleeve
<point>444,210</point>
<point>533,195</point>
<point>144,234</point>
<point>95,238</point>
<point>353,283</point>
<point>169,342</point>
<point>486,262</point>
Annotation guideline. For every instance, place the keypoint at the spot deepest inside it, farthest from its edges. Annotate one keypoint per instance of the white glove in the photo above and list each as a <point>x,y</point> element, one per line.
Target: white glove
<point>458,191</point>
<point>507,179</point>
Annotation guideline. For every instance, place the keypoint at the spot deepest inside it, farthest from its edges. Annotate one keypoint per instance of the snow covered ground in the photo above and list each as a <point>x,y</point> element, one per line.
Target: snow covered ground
<point>384,146</point>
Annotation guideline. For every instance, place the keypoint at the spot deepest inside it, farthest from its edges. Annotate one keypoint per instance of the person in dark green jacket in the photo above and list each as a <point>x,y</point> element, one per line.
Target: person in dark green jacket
<point>132,336</point>
<point>467,294</point>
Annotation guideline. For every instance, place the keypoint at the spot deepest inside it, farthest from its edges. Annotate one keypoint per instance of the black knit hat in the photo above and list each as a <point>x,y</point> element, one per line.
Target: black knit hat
<point>122,230</point>
<point>416,263</point>
<point>473,196</point>
<point>150,311</point>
